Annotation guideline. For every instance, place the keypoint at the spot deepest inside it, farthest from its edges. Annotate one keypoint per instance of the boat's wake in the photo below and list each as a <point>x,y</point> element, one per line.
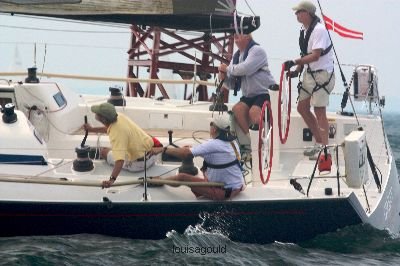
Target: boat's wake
<point>208,235</point>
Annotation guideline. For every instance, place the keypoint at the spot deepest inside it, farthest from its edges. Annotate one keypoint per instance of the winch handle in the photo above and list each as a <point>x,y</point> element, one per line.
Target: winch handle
<point>86,134</point>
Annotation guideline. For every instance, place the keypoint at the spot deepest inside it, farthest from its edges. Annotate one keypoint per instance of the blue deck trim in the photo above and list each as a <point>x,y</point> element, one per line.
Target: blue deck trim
<point>22,159</point>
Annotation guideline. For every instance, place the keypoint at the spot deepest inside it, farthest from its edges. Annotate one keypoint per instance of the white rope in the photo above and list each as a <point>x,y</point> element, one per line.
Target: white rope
<point>44,58</point>
<point>235,22</point>
<point>250,7</point>
<point>241,24</point>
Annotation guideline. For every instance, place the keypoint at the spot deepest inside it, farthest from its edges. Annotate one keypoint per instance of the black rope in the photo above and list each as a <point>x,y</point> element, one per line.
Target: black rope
<point>373,169</point>
<point>314,170</point>
<point>337,169</point>
<point>145,177</point>
<point>366,199</point>
<point>86,134</point>
<point>218,98</point>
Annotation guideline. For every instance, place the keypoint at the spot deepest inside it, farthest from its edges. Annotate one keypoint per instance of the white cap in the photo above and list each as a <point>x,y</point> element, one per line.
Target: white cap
<point>222,122</point>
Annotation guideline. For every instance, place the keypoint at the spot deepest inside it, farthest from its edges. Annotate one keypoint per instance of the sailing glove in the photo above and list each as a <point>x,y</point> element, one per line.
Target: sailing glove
<point>288,64</point>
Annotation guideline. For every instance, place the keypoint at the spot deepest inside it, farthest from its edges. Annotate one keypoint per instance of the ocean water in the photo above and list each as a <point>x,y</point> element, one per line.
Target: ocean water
<point>355,245</point>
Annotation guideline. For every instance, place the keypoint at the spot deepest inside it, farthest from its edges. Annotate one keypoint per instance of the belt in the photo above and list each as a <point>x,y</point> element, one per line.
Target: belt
<point>141,159</point>
<point>315,71</point>
<point>228,191</point>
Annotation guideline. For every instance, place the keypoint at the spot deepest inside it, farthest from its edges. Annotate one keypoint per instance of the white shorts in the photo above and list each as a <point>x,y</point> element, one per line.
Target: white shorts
<point>319,98</point>
<point>133,166</point>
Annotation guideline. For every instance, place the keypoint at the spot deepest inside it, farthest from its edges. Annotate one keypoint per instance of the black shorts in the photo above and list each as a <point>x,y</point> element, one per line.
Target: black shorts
<point>256,100</point>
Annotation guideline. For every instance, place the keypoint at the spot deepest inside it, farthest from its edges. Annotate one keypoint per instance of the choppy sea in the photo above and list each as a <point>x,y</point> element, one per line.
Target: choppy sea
<point>355,245</point>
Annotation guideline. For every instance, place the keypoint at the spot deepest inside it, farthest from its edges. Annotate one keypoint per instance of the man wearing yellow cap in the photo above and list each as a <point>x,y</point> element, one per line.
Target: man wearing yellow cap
<point>318,75</point>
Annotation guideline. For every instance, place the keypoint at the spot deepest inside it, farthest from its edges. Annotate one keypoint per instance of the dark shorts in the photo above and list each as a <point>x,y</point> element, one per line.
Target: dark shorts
<point>256,100</point>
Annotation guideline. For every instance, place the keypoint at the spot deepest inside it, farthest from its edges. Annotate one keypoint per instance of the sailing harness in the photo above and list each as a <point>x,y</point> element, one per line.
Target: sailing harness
<point>228,191</point>
<point>303,43</point>
<point>225,165</point>
<point>235,61</point>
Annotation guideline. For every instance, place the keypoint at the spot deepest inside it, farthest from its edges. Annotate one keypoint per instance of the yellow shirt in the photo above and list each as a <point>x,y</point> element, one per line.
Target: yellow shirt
<point>128,140</point>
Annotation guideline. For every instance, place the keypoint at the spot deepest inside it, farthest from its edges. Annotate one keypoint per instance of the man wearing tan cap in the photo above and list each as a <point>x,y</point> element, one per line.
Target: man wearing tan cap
<point>129,143</point>
<point>318,75</point>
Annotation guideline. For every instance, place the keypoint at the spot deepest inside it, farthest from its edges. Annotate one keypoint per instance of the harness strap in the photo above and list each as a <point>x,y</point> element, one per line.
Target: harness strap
<point>225,165</point>
<point>218,166</point>
<point>321,86</point>
<point>235,150</point>
<point>317,86</point>
<point>237,157</point>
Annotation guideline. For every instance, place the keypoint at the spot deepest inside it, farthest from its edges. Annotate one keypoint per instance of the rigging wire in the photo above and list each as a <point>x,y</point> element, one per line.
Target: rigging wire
<point>250,7</point>
<point>44,60</point>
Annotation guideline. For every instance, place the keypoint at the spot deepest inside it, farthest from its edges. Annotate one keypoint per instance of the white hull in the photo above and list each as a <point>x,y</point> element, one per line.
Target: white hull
<point>60,125</point>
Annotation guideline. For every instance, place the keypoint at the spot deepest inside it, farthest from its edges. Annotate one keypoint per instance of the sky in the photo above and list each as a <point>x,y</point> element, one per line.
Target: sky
<point>101,51</point>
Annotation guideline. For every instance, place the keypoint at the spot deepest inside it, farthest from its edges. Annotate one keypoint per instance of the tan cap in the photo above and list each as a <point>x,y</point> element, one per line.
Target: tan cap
<point>307,6</point>
<point>106,110</point>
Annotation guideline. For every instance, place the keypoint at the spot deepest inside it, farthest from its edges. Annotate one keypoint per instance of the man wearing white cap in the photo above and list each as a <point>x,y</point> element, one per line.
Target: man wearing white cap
<point>318,76</point>
<point>221,162</point>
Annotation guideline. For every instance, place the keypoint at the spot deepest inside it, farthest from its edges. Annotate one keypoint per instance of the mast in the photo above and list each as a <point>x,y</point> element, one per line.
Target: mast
<point>147,49</point>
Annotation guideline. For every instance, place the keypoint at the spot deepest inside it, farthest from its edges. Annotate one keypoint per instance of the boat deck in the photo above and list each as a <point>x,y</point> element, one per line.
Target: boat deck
<point>190,125</point>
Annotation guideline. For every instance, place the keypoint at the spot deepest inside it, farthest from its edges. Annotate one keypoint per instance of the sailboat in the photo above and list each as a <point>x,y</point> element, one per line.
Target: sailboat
<point>287,198</point>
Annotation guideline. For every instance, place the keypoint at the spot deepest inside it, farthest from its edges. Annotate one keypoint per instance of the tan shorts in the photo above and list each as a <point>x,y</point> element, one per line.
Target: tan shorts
<point>319,98</point>
<point>133,166</point>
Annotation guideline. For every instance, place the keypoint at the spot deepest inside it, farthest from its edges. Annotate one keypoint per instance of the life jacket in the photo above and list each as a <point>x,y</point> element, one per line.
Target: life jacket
<point>303,43</point>
<point>235,61</point>
<point>303,40</point>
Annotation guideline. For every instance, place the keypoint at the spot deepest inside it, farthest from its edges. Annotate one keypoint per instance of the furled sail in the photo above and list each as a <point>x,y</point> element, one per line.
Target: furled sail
<point>204,15</point>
